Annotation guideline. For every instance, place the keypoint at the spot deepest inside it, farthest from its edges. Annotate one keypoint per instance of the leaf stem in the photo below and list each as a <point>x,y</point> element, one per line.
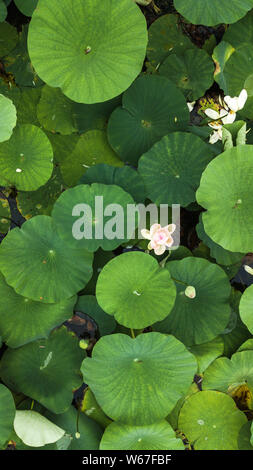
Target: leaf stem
<point>132,333</point>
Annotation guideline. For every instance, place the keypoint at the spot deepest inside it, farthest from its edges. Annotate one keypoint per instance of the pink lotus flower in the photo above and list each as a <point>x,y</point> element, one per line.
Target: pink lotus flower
<point>160,237</point>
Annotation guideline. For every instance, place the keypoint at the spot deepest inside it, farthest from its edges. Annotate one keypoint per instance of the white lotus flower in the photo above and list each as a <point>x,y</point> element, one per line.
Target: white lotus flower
<point>248,269</point>
<point>238,102</point>
<point>160,237</point>
<point>217,134</point>
<point>215,115</point>
<point>191,105</point>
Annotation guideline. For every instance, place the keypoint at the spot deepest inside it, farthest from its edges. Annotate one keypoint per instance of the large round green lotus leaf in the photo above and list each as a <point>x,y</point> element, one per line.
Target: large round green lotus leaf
<point>80,219</point>
<point>151,108</point>
<point>211,421</point>
<point>62,145</point>
<point>157,436</point>
<point>200,319</point>
<point>88,305</point>
<point>127,178</point>
<point>192,72</point>
<point>231,375</point>
<point>246,308</point>
<point>127,374</point>
<point>245,437</point>
<point>18,63</point>
<point>8,118</point>
<point>8,38</point>
<point>240,32</point>
<point>35,430</point>
<point>94,116</point>
<point>134,289</point>
<point>26,159</point>
<point>206,353</point>
<point>166,37</point>
<point>40,202</point>
<point>224,257</point>
<point>225,191</point>
<point>3,11</point>
<point>46,370</point>
<point>7,414</point>
<point>27,106</point>
<point>214,12</point>
<point>235,333</point>
<point>92,50</point>
<point>5,215</point>
<point>10,91</point>
<point>221,55</point>
<point>91,148</point>
<point>238,68</point>
<point>172,168</point>
<point>55,270</point>
<point>90,432</point>
<point>54,111</point>
<point>26,7</point>
<point>22,320</point>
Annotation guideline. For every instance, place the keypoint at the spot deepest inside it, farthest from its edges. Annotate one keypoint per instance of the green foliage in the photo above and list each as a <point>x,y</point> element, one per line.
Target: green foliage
<point>126,238</point>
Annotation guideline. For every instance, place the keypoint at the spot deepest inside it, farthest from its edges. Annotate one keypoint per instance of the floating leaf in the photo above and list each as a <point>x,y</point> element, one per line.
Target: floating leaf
<point>211,14</point>
<point>3,11</point>
<point>225,191</point>
<point>46,370</point>
<point>157,436</point>
<point>246,305</point>
<point>8,118</point>
<point>81,221</point>
<point>22,320</point>
<point>139,369</point>
<point>26,159</point>
<point>91,408</point>
<point>211,421</point>
<point>91,50</point>
<point>172,168</point>
<point>55,271</point>
<point>221,55</point>
<point>151,108</point>
<point>7,414</point>
<point>54,111</point>
<point>8,38</point>
<point>222,256</point>
<point>165,37</point>
<point>40,202</point>
<point>192,72</point>
<point>200,319</point>
<point>19,64</point>
<point>35,430</point>
<point>90,432</point>
<point>92,148</point>
<point>206,353</point>
<point>26,7</point>
<point>127,178</point>
<point>233,376</point>
<point>134,289</point>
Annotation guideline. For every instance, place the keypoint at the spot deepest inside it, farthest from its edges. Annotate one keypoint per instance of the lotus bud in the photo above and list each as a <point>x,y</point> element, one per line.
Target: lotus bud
<point>190,292</point>
<point>248,269</point>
